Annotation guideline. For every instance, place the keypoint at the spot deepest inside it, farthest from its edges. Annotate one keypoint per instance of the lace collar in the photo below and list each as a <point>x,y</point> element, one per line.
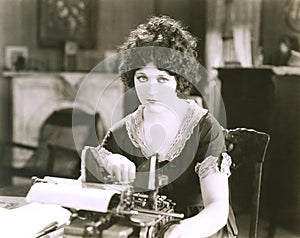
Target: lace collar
<point>192,118</point>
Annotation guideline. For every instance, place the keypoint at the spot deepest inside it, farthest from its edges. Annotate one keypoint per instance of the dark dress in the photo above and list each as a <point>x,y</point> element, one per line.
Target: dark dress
<point>197,150</point>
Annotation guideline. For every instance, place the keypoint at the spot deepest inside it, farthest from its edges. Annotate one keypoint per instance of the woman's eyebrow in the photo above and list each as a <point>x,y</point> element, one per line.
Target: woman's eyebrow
<point>164,75</point>
<point>140,72</point>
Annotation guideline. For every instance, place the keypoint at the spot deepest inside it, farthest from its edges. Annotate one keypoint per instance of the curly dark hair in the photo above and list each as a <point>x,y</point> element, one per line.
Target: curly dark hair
<point>165,42</point>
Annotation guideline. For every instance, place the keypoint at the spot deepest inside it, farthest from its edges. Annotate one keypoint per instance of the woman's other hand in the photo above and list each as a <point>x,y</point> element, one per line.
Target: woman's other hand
<point>121,168</point>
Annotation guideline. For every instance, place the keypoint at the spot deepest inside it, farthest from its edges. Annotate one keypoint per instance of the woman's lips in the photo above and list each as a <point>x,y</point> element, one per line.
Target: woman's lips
<point>152,101</point>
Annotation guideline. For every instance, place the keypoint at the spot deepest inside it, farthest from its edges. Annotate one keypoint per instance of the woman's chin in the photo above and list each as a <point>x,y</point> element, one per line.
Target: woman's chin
<point>155,107</point>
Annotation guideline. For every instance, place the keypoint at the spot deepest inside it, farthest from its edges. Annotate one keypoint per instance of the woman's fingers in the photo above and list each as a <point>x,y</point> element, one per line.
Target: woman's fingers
<point>131,173</point>
<point>122,169</point>
<point>125,172</point>
<point>117,172</point>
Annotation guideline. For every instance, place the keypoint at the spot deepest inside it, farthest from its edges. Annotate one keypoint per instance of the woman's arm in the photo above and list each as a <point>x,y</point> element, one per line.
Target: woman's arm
<point>108,155</point>
<point>213,173</point>
<point>215,213</point>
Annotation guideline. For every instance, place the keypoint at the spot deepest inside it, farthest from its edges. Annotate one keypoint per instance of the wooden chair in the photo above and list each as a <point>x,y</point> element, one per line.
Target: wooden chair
<point>56,153</point>
<point>247,149</point>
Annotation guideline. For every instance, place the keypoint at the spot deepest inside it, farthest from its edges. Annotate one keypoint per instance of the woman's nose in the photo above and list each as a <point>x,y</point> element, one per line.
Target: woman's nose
<point>152,88</point>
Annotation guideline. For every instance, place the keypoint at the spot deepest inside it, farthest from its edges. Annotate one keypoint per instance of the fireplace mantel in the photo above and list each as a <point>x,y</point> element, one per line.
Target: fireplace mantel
<point>35,95</point>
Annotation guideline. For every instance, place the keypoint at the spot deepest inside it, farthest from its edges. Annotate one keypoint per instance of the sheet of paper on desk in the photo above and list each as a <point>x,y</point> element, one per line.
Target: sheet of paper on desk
<point>28,220</point>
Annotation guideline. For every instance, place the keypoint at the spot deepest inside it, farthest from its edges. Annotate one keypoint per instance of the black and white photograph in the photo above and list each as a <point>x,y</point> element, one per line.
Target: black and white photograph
<point>149,118</point>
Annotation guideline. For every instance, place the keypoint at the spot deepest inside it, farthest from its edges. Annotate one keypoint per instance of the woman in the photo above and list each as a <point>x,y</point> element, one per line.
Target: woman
<point>181,139</point>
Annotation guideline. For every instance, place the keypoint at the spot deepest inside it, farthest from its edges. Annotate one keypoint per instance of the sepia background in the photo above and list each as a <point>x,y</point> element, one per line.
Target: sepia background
<point>47,47</point>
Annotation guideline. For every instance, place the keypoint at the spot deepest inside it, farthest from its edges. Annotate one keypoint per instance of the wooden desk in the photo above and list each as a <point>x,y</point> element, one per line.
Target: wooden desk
<point>9,202</point>
<point>262,99</point>
<point>13,196</point>
<point>15,191</point>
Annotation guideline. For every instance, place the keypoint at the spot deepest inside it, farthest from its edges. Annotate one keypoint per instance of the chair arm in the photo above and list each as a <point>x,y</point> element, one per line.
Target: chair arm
<point>19,145</point>
<point>61,148</point>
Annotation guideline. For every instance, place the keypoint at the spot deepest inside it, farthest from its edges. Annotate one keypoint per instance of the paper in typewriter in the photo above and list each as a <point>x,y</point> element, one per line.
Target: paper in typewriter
<point>71,194</point>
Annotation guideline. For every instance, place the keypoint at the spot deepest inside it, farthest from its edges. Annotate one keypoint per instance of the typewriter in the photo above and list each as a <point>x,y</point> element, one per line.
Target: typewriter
<point>106,210</point>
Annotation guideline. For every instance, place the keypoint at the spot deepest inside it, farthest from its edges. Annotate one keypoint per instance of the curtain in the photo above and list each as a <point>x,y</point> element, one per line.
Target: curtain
<point>214,53</point>
<point>245,28</point>
<point>241,18</point>
<point>214,33</point>
<point>242,44</point>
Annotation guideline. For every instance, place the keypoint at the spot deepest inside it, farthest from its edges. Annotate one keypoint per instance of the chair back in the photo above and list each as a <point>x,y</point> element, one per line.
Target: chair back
<point>247,148</point>
<point>57,153</point>
<point>62,136</point>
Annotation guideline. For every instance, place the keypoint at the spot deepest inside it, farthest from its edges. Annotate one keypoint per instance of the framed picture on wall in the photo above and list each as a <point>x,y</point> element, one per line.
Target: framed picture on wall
<point>67,20</point>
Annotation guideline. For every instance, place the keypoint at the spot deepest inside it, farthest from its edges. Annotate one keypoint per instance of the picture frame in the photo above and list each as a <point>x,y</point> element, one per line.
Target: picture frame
<point>291,15</point>
<point>16,57</point>
<point>60,21</point>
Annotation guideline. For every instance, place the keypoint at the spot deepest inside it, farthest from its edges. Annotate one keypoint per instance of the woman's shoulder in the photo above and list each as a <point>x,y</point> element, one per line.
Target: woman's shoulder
<point>209,119</point>
<point>203,117</point>
<point>118,125</point>
<point>196,111</point>
<point>122,124</point>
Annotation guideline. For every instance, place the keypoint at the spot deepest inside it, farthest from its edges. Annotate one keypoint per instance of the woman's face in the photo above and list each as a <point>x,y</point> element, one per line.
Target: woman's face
<point>155,88</point>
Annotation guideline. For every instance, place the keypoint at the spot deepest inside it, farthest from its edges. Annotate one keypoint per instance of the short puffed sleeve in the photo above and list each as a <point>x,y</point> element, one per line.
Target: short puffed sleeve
<point>211,155</point>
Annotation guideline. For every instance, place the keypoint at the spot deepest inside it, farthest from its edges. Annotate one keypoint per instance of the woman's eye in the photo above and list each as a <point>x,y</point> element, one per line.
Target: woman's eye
<point>162,80</point>
<point>142,78</point>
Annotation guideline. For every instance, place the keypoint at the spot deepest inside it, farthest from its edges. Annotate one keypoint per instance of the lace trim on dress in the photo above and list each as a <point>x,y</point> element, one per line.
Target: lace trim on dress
<point>135,131</point>
<point>133,126</point>
<point>191,120</point>
<point>213,164</point>
<point>132,121</point>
